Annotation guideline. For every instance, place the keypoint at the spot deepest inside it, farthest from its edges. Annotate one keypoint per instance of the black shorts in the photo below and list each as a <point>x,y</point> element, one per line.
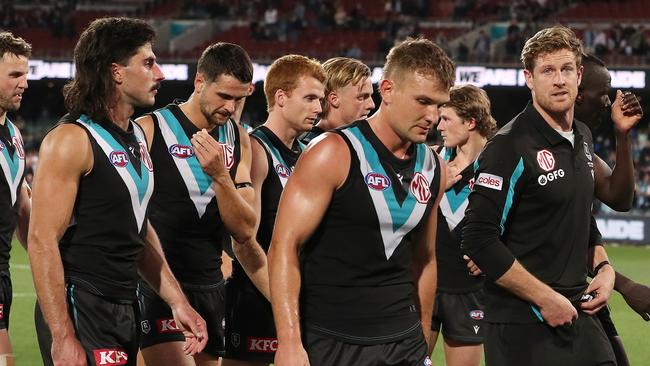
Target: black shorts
<point>583,343</point>
<point>106,329</point>
<point>157,323</point>
<point>459,315</point>
<point>250,332</point>
<point>6,296</point>
<point>326,351</point>
<point>605,318</point>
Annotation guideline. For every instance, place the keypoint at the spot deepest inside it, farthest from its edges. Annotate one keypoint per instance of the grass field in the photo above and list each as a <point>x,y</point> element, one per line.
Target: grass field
<point>632,261</point>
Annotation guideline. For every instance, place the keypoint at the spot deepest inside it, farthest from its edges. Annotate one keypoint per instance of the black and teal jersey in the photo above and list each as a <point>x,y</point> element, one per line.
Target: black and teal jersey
<point>357,284</point>
<point>311,134</point>
<point>12,161</point>
<point>280,160</point>
<point>453,275</point>
<point>101,247</point>
<point>531,201</point>
<point>184,210</point>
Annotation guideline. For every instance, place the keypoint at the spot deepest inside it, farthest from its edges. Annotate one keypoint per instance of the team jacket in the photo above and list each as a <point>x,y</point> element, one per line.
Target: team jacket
<point>357,280</point>
<point>531,201</point>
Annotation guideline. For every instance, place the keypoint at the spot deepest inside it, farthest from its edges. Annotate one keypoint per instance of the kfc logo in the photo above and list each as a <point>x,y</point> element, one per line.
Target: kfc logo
<point>266,345</point>
<point>110,356</point>
<point>545,160</point>
<point>167,326</point>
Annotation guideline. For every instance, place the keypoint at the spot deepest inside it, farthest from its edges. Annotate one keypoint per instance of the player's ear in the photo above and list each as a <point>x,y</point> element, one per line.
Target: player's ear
<point>333,100</point>
<point>386,89</point>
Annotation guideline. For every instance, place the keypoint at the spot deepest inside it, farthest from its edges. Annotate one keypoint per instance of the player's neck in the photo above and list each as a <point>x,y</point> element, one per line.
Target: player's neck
<point>192,111</point>
<point>330,122</point>
<point>387,135</point>
<point>469,151</point>
<point>120,114</point>
<point>282,129</point>
<point>562,121</point>
<point>3,117</point>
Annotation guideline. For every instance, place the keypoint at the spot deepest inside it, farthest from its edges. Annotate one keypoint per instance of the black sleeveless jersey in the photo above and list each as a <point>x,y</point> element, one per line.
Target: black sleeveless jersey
<point>357,280</point>
<point>12,162</point>
<point>281,161</point>
<point>184,209</point>
<point>101,247</point>
<point>312,134</point>
<point>453,275</point>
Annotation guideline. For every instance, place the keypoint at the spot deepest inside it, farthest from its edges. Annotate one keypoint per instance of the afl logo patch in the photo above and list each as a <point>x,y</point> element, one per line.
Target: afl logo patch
<point>18,144</point>
<point>420,188</point>
<point>545,160</point>
<point>119,158</point>
<point>228,156</point>
<point>378,182</point>
<point>282,171</point>
<point>181,151</point>
<point>476,314</point>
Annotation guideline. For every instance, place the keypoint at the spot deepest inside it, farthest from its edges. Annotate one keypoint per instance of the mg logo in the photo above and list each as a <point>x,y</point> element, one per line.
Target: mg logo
<point>420,188</point>
<point>18,144</point>
<point>545,160</point>
<point>146,159</point>
<point>228,156</point>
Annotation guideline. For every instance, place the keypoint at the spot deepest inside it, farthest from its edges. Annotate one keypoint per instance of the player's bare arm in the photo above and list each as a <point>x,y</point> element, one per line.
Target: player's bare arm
<point>24,211</point>
<point>235,205</point>
<point>304,200</point>
<point>616,188</point>
<point>154,269</point>
<point>65,156</point>
<point>250,254</point>
<point>424,260</point>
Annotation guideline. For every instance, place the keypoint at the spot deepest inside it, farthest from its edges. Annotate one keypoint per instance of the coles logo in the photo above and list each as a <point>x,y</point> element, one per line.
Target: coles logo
<point>489,181</point>
<point>282,171</point>
<point>545,160</point>
<point>18,144</point>
<point>167,326</point>
<point>476,314</point>
<point>119,158</point>
<point>265,345</point>
<point>228,156</point>
<point>376,181</point>
<point>110,356</point>
<point>181,151</point>
<point>420,188</point>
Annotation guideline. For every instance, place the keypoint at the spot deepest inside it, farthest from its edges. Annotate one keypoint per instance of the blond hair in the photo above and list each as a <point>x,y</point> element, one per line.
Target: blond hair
<point>284,73</point>
<point>342,71</point>
<point>550,40</point>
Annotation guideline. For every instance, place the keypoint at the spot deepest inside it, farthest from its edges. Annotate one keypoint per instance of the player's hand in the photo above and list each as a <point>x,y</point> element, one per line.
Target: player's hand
<point>453,175</point>
<point>626,111</point>
<point>472,267</point>
<point>210,154</point>
<point>601,286</point>
<point>67,351</point>
<point>291,354</point>
<point>637,296</point>
<point>193,326</point>
<point>557,310</point>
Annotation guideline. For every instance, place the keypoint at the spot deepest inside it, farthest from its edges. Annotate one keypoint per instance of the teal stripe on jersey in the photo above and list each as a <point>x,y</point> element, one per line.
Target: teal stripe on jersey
<point>516,174</point>
<point>141,180</point>
<point>399,214</point>
<point>12,161</point>
<point>272,149</point>
<point>456,199</point>
<point>202,180</point>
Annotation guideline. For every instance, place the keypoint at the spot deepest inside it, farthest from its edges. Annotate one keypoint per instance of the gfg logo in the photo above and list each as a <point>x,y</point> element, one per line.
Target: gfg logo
<point>543,179</point>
